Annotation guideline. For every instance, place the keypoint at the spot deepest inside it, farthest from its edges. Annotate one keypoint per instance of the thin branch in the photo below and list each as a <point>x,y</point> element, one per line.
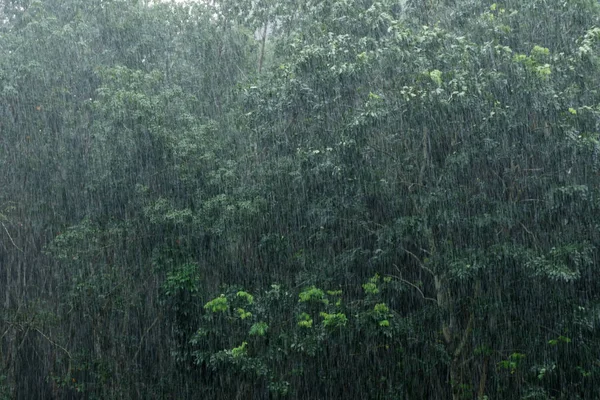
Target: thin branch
<point>54,343</point>
<point>242,71</point>
<point>528,231</point>
<point>10,237</point>
<point>420,262</point>
<point>483,378</point>
<point>24,338</point>
<point>414,286</point>
<point>262,47</point>
<point>143,337</point>
<point>4,334</point>
<point>465,337</point>
<point>426,145</point>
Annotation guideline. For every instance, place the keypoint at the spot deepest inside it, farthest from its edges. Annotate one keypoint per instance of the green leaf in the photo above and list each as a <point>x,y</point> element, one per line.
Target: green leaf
<point>313,295</point>
<point>249,298</point>
<point>436,76</point>
<point>381,308</point>
<point>370,288</point>
<point>220,304</point>
<point>336,320</point>
<point>243,314</point>
<point>240,351</point>
<point>259,329</point>
<point>305,321</point>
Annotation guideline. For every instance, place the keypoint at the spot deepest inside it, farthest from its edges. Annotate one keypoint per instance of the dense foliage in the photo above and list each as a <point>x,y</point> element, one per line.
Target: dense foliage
<point>306,200</point>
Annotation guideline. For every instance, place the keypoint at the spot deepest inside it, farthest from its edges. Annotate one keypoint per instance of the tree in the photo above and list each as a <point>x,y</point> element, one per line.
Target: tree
<point>371,202</point>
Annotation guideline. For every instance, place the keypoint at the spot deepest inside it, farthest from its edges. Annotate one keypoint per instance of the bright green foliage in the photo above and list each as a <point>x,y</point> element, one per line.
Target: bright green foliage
<point>336,320</point>
<point>436,76</point>
<point>381,309</point>
<point>539,52</point>
<point>239,351</point>
<point>371,286</point>
<point>243,314</point>
<point>560,339</point>
<point>512,362</point>
<point>259,329</point>
<point>249,298</point>
<point>313,295</point>
<point>304,320</point>
<point>382,314</point>
<point>219,304</point>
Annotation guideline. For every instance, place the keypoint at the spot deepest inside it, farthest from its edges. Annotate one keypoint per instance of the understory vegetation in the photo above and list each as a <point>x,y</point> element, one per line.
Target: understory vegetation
<point>347,199</point>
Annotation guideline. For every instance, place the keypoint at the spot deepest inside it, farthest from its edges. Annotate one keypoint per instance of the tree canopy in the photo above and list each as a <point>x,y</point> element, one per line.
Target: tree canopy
<point>318,199</point>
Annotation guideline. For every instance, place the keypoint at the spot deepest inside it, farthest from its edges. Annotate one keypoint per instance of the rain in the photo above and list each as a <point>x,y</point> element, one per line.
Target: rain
<point>314,199</point>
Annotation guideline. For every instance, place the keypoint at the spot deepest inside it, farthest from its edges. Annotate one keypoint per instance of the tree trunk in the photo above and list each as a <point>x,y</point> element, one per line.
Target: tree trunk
<point>262,46</point>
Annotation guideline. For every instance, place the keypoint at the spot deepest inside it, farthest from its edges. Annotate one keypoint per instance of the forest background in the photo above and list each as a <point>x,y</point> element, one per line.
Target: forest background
<point>346,199</point>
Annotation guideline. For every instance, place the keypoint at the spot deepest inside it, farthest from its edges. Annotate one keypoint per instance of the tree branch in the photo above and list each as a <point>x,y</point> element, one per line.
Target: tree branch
<point>10,237</point>
<point>465,337</point>
<point>414,286</point>
<point>262,46</point>
<point>54,343</point>
<point>143,337</point>
<point>421,264</point>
